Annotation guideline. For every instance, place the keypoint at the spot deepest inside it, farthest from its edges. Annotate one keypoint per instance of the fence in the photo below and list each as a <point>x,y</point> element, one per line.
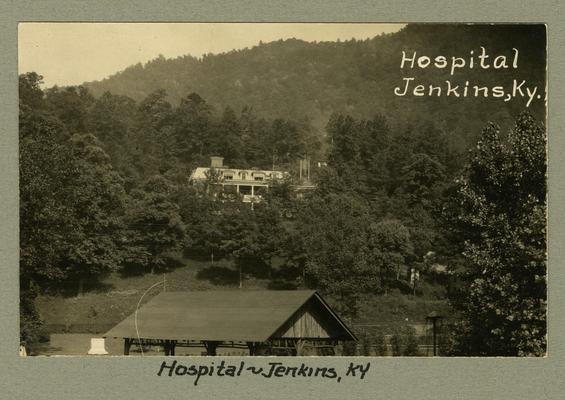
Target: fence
<point>399,340</point>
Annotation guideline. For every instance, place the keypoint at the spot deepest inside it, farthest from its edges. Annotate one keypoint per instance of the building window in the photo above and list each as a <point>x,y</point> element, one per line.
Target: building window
<point>228,177</point>
<point>245,190</point>
<point>258,178</point>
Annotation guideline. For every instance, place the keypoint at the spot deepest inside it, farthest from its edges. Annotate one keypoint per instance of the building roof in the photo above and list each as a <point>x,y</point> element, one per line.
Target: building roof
<point>230,315</point>
<point>240,175</point>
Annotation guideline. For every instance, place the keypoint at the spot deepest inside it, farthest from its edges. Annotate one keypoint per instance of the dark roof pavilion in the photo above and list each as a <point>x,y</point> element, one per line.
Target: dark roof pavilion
<point>254,316</point>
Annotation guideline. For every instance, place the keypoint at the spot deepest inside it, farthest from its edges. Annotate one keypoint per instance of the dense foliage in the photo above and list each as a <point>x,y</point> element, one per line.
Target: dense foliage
<point>500,215</point>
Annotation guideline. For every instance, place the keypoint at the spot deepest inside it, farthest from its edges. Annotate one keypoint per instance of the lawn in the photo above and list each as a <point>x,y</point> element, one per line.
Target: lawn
<point>96,311</point>
<point>72,321</point>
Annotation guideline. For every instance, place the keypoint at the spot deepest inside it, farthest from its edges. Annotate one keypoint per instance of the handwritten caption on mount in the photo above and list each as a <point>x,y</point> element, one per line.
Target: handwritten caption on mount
<point>272,369</point>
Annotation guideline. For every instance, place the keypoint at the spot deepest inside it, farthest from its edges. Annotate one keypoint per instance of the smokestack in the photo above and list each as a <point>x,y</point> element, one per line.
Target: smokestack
<point>216,162</point>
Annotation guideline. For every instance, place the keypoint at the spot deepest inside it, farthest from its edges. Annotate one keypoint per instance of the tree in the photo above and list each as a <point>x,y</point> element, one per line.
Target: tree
<point>32,330</point>
<point>156,110</point>
<point>154,225</point>
<point>227,139</point>
<point>359,152</point>
<point>153,144</point>
<point>30,91</point>
<point>111,119</point>
<point>334,232</point>
<point>70,204</point>
<point>240,236</point>
<point>389,244</point>
<point>422,180</point>
<point>269,217</point>
<point>70,105</point>
<point>201,214</point>
<point>285,142</point>
<point>46,173</point>
<point>192,127</point>
<point>501,215</point>
<point>345,151</point>
<point>98,203</point>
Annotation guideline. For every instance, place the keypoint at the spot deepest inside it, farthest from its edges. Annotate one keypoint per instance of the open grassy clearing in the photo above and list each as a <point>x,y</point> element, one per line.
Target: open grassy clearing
<point>98,310</point>
<point>71,321</point>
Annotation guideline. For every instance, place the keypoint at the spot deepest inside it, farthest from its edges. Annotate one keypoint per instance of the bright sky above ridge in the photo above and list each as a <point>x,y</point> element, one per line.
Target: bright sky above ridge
<point>73,53</point>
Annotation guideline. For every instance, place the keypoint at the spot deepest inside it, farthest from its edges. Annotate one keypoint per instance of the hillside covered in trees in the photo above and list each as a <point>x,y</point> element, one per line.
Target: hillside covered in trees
<point>301,80</point>
<point>403,184</point>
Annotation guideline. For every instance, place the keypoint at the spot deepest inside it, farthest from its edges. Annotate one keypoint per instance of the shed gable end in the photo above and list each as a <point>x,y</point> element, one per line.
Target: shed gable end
<point>308,322</point>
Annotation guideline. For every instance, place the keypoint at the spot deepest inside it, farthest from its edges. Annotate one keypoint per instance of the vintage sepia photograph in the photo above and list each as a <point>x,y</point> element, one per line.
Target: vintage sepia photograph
<point>282,189</point>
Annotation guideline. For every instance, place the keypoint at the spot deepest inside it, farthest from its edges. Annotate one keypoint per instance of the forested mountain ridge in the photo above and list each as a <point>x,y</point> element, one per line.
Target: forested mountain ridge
<point>298,80</point>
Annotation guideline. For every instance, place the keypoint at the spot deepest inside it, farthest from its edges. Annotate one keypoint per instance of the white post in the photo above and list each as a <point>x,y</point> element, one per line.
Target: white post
<point>97,347</point>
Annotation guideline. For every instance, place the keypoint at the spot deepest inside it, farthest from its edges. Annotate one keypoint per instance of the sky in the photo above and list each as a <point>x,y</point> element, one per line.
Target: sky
<point>74,53</point>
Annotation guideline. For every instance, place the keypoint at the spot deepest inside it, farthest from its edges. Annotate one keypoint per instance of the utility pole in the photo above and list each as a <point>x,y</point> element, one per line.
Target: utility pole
<point>434,317</point>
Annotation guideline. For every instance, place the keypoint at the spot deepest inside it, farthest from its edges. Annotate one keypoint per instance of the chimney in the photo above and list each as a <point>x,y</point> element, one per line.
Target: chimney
<point>216,162</point>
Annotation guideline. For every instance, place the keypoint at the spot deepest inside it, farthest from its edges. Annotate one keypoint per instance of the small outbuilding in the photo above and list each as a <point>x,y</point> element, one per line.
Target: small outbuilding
<point>263,321</point>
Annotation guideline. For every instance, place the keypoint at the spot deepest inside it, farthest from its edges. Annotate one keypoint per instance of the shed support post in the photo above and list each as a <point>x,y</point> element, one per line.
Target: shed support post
<point>169,347</point>
<point>211,347</point>
<point>127,346</point>
<point>252,348</point>
<point>299,347</point>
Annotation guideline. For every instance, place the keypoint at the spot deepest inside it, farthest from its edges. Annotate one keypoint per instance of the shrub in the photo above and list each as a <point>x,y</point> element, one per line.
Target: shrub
<point>379,344</point>
<point>404,342</point>
<point>349,348</point>
<point>410,342</point>
<point>366,344</point>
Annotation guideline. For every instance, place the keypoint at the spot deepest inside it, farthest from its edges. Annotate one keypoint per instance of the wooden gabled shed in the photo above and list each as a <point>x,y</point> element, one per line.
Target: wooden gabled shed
<point>255,319</point>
